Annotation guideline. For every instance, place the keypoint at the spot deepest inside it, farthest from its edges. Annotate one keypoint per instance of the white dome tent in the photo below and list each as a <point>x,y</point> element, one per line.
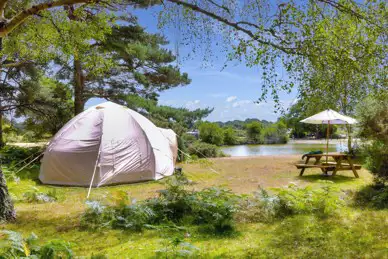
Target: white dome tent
<point>108,144</point>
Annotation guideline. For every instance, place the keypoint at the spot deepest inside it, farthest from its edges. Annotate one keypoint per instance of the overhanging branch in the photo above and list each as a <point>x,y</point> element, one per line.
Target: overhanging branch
<point>234,25</point>
<point>15,21</point>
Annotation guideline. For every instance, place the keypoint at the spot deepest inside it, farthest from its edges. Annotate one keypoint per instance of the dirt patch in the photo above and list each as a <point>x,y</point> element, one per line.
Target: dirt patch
<point>245,174</point>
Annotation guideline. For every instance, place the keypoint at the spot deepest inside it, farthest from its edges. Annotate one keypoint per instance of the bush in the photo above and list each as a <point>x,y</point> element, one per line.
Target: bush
<point>263,207</point>
<point>213,208</point>
<point>134,217</point>
<point>15,246</point>
<point>203,150</point>
<point>174,202</point>
<point>376,159</point>
<point>254,132</point>
<point>188,138</point>
<point>275,134</point>
<point>183,142</point>
<point>321,202</point>
<point>96,215</point>
<point>373,118</point>
<point>11,155</point>
<point>230,137</point>
<point>211,133</point>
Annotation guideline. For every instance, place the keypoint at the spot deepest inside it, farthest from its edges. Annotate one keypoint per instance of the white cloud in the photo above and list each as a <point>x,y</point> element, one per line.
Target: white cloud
<point>231,98</point>
<point>241,103</point>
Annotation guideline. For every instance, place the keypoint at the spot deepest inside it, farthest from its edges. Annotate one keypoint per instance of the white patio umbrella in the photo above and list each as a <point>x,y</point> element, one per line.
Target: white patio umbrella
<point>329,117</point>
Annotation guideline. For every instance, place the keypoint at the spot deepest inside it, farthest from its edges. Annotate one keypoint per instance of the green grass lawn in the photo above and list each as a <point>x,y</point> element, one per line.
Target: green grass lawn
<point>355,233</point>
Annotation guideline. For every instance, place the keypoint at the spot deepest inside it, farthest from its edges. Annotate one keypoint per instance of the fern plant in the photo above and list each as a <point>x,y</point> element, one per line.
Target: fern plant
<point>13,245</point>
<point>34,195</point>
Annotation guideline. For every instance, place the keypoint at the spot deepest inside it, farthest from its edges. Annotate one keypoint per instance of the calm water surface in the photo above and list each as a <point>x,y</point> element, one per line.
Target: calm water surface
<point>281,149</point>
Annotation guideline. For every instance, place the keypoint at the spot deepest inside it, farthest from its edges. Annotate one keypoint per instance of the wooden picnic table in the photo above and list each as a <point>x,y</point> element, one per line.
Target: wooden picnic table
<point>335,166</point>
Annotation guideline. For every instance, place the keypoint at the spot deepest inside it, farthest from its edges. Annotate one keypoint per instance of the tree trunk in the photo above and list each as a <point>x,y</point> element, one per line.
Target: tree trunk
<point>349,131</point>
<point>348,127</point>
<point>2,143</point>
<point>79,79</point>
<point>79,86</point>
<point>7,211</point>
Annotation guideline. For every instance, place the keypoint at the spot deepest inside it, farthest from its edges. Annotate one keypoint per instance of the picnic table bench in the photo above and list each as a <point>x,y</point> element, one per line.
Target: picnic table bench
<point>334,166</point>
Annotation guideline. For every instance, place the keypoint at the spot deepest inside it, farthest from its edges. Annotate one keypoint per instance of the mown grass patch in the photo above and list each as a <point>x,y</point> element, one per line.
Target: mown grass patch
<point>355,232</point>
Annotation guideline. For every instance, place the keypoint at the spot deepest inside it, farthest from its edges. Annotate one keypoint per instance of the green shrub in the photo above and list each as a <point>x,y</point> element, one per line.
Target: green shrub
<point>11,155</point>
<point>254,132</point>
<point>96,215</point>
<point>275,134</point>
<point>211,133</point>
<point>230,137</point>
<point>263,207</point>
<point>203,150</point>
<point>13,245</point>
<point>373,196</point>
<point>321,202</point>
<point>56,249</point>
<point>213,208</point>
<point>174,202</point>
<point>376,159</point>
<point>188,138</point>
<point>133,217</point>
<point>373,124</point>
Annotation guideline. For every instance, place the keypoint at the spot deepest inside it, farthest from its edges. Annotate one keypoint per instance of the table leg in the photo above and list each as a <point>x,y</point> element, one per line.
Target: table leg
<point>337,166</point>
<point>352,166</point>
<point>317,162</point>
<point>317,159</point>
<point>302,171</point>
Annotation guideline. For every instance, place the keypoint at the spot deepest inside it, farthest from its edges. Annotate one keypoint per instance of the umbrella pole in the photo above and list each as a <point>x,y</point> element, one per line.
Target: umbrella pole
<point>327,141</point>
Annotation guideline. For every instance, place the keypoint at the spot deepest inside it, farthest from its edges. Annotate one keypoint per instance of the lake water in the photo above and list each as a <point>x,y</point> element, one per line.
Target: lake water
<point>290,148</point>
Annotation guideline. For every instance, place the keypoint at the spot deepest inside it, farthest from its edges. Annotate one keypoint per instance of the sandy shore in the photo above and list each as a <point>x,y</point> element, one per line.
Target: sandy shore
<point>321,141</point>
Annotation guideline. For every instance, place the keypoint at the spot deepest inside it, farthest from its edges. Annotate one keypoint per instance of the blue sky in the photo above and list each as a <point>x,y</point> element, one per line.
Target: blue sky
<point>231,91</point>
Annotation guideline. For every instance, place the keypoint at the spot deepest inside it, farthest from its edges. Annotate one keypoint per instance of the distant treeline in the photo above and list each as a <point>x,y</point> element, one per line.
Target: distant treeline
<point>240,124</point>
<point>250,131</point>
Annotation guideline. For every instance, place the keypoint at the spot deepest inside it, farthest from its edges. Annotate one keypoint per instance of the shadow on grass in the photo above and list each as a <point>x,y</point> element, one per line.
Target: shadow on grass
<point>371,196</point>
<point>319,177</point>
<point>306,236</point>
<point>44,222</point>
